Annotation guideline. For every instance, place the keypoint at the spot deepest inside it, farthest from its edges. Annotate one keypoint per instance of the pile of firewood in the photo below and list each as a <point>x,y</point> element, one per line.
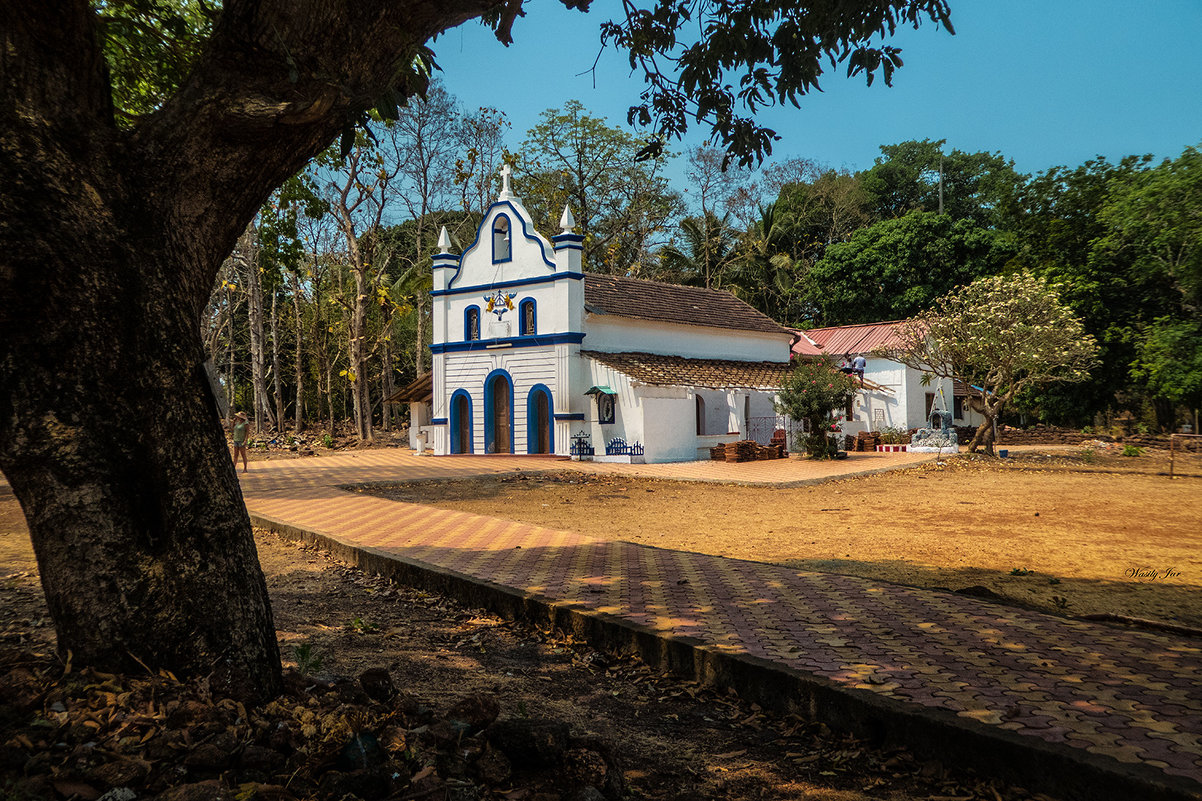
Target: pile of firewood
<point>746,451</point>
<point>867,440</point>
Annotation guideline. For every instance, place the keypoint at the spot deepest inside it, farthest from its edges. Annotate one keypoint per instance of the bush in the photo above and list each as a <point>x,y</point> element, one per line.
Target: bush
<point>814,391</point>
<point>1131,450</point>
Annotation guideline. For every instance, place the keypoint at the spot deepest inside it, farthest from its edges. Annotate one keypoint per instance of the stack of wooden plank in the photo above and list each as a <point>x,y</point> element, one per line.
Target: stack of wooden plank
<point>772,451</point>
<point>748,451</point>
<point>867,441</point>
<point>718,453</point>
<point>745,450</point>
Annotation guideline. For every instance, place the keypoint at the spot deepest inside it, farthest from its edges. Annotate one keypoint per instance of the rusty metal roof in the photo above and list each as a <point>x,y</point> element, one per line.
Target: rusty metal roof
<point>848,339</point>
<point>677,371</point>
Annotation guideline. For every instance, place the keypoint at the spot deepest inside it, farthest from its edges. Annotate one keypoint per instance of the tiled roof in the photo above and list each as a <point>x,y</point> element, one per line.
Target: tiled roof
<point>677,371</point>
<point>672,303</point>
<point>853,339</point>
<point>416,391</point>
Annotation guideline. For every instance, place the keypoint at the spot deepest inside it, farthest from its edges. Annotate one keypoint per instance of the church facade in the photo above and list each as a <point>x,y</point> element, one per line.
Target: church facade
<point>533,355</point>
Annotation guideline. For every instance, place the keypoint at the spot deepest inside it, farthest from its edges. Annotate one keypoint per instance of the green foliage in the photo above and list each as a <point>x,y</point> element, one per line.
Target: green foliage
<point>621,206</point>
<point>816,389</point>
<point>709,251</point>
<point>897,268</point>
<point>906,178</point>
<point>1169,361</point>
<point>358,625</point>
<point>149,46</point>
<point>1131,450</point>
<point>308,660</point>
<point>778,50</point>
<point>1003,334</point>
<point>1020,571</point>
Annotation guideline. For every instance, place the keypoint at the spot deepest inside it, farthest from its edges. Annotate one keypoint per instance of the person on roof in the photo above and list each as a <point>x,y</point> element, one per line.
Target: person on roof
<point>858,364</point>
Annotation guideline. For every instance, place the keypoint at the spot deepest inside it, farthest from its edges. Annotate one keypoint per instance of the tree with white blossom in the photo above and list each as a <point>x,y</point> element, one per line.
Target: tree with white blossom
<point>999,335</point>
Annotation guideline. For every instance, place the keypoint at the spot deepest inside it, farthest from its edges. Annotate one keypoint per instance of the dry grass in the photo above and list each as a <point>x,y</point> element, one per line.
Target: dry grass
<point>1053,531</point>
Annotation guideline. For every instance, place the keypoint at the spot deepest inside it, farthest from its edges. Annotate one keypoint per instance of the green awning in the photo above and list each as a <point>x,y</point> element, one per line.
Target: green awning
<point>600,390</point>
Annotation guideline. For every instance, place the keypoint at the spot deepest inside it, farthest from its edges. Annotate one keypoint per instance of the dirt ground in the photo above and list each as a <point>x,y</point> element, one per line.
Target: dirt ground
<point>673,739</point>
<point>1061,531</point>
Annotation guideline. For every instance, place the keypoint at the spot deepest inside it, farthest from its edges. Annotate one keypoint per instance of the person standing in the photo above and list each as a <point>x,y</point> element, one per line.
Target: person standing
<point>242,430</point>
<point>857,366</point>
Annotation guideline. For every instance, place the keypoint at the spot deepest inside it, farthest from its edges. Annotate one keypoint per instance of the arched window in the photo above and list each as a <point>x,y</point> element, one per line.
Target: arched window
<point>501,249</point>
<point>471,323</point>
<point>528,318</point>
<point>700,415</point>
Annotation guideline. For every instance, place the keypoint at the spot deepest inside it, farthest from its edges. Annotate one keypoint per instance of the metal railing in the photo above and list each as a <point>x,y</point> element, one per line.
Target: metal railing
<point>1173,448</point>
<point>761,429</point>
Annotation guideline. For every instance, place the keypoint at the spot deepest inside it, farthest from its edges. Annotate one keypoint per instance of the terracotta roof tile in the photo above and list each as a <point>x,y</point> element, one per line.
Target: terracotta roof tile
<point>651,368</point>
<point>672,303</point>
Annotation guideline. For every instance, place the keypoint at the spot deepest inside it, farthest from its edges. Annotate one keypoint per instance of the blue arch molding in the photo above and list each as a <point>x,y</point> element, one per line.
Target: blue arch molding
<point>522,317</point>
<point>507,342</point>
<point>456,445</point>
<point>493,233</point>
<point>487,218</point>
<point>490,435</point>
<point>532,418</point>
<point>467,326</point>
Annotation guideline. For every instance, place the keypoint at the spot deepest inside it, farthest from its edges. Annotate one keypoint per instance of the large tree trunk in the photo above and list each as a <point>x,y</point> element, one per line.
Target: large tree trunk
<point>110,241</point>
<point>112,443</point>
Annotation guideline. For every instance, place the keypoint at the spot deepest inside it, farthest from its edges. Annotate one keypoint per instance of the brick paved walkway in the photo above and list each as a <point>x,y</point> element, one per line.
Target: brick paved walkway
<point>1114,698</point>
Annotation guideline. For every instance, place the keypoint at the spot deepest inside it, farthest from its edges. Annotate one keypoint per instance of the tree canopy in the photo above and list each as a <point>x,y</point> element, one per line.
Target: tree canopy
<point>999,335</point>
<point>140,138</point>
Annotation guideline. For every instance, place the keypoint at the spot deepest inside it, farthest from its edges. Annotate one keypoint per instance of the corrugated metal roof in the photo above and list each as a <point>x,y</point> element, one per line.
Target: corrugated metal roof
<point>848,339</point>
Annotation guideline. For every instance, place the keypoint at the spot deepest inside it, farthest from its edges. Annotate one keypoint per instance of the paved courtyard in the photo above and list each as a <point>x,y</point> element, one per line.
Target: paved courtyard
<point>1116,700</point>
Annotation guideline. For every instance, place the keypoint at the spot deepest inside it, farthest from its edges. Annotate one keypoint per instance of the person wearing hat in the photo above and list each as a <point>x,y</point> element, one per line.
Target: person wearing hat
<point>241,432</point>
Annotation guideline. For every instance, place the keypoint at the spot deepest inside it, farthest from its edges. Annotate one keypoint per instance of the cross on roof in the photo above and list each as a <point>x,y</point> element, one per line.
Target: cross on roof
<point>506,171</point>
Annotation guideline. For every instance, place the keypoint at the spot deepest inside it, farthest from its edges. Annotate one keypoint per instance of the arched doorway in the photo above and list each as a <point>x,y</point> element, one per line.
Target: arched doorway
<point>498,413</point>
<point>540,435</point>
<point>461,422</point>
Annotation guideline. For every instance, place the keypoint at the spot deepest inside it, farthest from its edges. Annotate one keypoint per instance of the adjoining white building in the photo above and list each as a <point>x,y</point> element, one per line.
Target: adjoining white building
<point>533,355</point>
<point>892,395</point>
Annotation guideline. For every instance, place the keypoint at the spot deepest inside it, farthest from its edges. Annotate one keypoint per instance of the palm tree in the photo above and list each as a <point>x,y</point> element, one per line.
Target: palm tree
<point>709,251</point>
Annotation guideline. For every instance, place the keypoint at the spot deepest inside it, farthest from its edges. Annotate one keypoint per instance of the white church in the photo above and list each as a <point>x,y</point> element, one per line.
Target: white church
<point>532,355</point>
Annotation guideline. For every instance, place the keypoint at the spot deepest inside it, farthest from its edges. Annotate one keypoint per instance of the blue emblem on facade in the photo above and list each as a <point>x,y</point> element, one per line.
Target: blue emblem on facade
<point>499,302</point>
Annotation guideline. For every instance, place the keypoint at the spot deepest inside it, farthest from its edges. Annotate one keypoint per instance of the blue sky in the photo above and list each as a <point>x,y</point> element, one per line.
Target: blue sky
<point>1047,83</point>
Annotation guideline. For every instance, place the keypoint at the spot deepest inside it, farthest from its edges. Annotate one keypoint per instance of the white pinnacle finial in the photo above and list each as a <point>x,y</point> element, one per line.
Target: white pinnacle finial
<point>567,222</point>
<point>506,191</point>
<point>444,241</point>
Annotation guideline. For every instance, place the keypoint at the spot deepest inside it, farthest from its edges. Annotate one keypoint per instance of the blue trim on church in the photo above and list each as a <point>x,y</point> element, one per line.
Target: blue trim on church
<point>525,233</point>
<point>490,406</point>
<point>507,342</point>
<point>467,290</point>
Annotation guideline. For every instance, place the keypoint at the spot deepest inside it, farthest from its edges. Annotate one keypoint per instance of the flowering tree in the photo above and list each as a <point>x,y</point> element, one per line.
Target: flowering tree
<point>1002,334</point>
<point>815,389</point>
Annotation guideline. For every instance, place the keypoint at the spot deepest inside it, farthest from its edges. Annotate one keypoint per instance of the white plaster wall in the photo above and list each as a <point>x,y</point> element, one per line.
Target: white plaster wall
<point>628,417</point>
<point>529,248</point>
<point>670,425</point>
<point>624,334</point>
